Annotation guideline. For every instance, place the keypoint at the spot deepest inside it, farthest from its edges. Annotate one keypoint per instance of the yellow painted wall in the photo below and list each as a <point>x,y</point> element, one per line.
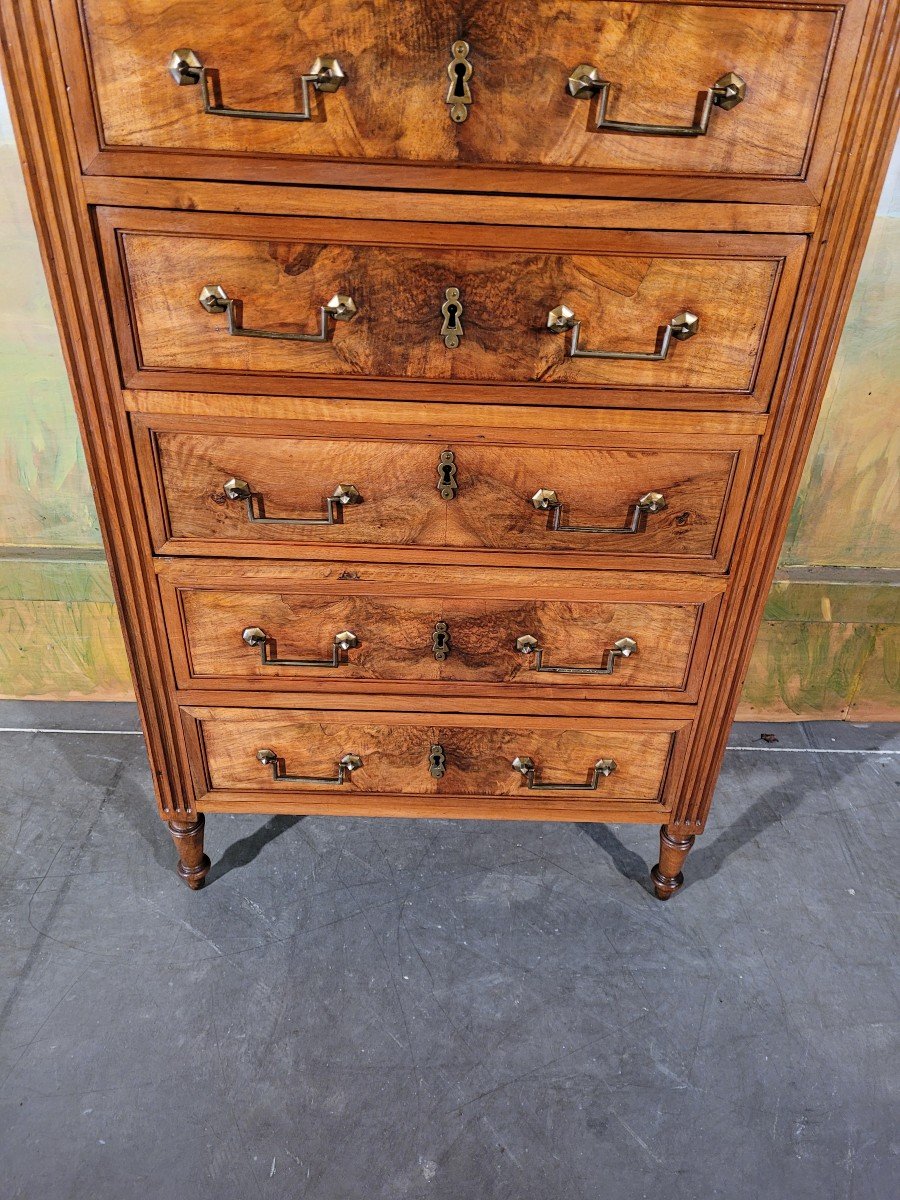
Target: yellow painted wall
<point>829,643</point>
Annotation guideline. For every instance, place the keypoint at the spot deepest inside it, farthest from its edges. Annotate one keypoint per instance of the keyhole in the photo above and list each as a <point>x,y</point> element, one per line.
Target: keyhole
<point>452,310</point>
<point>437,761</point>
<point>459,88</point>
<point>446,477</point>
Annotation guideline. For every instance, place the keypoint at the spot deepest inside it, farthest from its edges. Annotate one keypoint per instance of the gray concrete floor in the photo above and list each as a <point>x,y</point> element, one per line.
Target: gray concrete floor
<point>359,1009</point>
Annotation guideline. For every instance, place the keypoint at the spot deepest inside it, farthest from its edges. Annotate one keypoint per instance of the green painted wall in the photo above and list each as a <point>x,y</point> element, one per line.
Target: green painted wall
<point>830,641</point>
<point>829,644</point>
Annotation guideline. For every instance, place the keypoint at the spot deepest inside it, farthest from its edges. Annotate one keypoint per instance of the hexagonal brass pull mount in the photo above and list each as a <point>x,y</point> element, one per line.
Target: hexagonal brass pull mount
<point>546,500</point>
<point>254,636</point>
<point>530,647</point>
<point>214,299</point>
<point>346,766</point>
<point>585,82</point>
<point>325,75</point>
<point>680,328</point>
<point>240,490</point>
<point>526,766</point>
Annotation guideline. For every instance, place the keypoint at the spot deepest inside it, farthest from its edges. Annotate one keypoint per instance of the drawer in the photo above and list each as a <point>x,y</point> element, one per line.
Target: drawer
<point>404,764</point>
<point>654,66</point>
<point>357,626</point>
<point>248,488</point>
<point>222,303</point>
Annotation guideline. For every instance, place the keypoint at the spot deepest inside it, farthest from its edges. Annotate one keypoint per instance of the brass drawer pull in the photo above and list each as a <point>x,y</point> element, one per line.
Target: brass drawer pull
<point>254,636</point>
<point>585,82</point>
<point>681,327</point>
<point>344,493</point>
<point>325,75</point>
<point>526,767</point>
<point>214,299</point>
<point>635,522</point>
<point>623,648</point>
<point>347,765</point>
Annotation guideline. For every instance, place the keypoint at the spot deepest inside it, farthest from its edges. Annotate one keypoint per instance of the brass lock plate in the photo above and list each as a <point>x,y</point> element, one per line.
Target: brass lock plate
<point>459,94</point>
<point>446,475</point>
<point>440,641</point>
<point>452,311</point>
<point>437,762</point>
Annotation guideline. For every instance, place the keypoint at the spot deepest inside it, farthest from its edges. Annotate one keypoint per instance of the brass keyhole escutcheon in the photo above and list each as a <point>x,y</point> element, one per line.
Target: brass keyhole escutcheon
<point>437,762</point>
<point>446,484</point>
<point>440,641</point>
<point>452,310</point>
<point>459,94</point>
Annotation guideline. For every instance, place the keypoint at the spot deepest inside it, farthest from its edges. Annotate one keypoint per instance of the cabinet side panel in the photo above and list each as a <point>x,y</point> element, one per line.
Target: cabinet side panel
<point>830,272</point>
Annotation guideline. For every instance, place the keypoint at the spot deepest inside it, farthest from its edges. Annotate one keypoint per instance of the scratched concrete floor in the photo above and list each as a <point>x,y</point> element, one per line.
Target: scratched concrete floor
<point>356,1009</point>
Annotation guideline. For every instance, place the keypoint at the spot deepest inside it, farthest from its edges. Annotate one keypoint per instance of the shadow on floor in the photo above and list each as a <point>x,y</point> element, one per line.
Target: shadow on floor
<point>627,863</point>
<point>243,851</point>
<point>706,860</point>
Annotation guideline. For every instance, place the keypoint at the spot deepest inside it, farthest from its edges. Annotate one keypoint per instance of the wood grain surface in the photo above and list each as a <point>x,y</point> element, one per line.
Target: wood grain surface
<point>396,636</point>
<point>468,208</point>
<point>401,505</point>
<point>395,751</point>
<point>433,420</point>
<point>624,303</point>
<point>658,57</point>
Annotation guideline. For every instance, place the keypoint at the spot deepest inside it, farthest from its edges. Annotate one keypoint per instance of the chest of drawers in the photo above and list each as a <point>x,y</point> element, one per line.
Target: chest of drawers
<point>445,372</point>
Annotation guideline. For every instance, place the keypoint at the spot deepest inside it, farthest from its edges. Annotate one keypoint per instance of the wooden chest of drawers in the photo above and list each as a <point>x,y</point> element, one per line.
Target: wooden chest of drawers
<point>445,372</point>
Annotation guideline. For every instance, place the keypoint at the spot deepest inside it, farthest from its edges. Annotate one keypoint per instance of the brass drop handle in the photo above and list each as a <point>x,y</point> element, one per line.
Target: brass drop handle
<point>635,521</point>
<point>325,75</point>
<point>254,636</point>
<point>681,327</point>
<point>585,82</point>
<point>214,299</point>
<point>240,490</point>
<point>623,648</point>
<point>526,766</point>
<point>346,766</point>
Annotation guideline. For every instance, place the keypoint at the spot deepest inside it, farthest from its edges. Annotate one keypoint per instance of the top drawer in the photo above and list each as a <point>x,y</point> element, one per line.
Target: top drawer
<point>476,87</point>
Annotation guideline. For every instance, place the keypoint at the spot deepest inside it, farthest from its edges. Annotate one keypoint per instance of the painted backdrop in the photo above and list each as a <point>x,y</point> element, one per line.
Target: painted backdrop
<point>830,642</point>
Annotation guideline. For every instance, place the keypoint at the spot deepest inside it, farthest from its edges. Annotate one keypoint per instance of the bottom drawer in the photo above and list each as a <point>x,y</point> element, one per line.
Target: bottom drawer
<point>405,764</point>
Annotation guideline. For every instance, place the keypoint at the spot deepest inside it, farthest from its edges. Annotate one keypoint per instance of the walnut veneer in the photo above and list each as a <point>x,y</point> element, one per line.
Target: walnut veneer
<point>385,540</point>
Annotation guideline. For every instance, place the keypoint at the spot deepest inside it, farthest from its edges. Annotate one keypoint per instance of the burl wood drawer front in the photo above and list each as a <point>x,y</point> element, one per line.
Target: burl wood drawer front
<point>214,302</point>
<point>243,488</point>
<point>352,626</point>
<point>402,763</point>
<point>761,72</point>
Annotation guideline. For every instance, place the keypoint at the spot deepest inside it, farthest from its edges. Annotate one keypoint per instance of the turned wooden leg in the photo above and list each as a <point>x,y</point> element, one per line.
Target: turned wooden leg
<point>666,875</point>
<point>193,864</point>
